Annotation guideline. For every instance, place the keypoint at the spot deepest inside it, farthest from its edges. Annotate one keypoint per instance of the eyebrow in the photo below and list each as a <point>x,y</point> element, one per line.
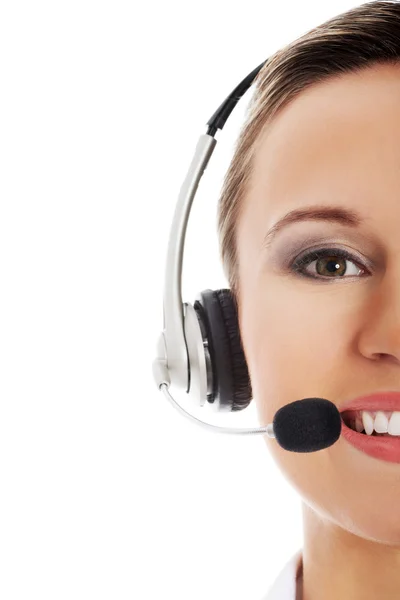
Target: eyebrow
<point>336,214</point>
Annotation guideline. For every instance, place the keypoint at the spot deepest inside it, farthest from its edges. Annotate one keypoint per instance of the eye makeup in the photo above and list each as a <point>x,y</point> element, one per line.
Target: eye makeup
<point>288,253</point>
<point>299,265</point>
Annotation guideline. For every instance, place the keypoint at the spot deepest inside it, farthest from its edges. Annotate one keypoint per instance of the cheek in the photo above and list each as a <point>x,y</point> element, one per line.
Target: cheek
<point>293,346</point>
<point>298,344</point>
<point>297,349</point>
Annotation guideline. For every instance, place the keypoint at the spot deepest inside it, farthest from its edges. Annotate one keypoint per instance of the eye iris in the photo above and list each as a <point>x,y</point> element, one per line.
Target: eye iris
<point>334,265</point>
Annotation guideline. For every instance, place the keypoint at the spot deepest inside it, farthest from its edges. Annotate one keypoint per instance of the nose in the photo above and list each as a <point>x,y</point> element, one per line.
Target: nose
<point>379,335</point>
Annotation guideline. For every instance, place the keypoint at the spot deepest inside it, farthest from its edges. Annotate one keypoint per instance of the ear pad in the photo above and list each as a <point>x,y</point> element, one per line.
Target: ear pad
<point>231,382</point>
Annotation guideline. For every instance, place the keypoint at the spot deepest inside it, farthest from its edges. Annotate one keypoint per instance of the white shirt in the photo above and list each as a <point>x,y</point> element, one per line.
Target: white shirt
<point>284,586</point>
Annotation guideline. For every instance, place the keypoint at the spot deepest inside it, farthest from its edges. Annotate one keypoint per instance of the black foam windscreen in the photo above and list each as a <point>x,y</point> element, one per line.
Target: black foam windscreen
<point>307,425</point>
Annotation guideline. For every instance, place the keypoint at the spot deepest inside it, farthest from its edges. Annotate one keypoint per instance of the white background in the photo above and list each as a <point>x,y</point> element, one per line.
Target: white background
<point>105,490</point>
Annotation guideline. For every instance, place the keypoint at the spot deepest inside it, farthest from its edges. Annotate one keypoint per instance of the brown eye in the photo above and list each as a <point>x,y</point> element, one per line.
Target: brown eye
<point>329,264</point>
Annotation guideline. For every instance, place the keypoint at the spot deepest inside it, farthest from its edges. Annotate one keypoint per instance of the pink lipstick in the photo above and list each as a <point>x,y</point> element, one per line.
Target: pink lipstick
<point>383,448</point>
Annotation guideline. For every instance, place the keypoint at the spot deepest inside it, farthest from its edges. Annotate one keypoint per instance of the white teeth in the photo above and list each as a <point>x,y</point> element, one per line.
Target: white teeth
<point>368,422</point>
<point>359,424</point>
<point>394,424</point>
<point>381,423</point>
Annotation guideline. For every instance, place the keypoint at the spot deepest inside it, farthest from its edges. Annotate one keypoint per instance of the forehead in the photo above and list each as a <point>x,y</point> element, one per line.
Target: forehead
<point>346,117</point>
<point>336,142</point>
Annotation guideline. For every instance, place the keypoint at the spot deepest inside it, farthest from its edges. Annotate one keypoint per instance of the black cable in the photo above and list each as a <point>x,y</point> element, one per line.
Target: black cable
<point>219,118</point>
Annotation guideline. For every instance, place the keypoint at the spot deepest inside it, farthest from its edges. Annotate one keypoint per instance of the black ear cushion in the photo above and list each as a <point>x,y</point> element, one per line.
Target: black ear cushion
<point>232,386</point>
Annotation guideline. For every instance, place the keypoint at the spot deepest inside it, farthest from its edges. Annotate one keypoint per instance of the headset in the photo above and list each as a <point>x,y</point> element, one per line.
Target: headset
<point>200,349</point>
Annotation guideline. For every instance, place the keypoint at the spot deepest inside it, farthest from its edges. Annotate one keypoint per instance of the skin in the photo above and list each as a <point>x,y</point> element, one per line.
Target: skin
<point>337,143</point>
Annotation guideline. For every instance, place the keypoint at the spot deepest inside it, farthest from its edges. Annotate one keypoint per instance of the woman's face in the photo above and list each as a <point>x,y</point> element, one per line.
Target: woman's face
<point>336,333</point>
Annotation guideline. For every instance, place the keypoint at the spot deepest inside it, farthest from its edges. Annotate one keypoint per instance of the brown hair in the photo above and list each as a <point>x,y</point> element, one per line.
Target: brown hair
<point>363,36</point>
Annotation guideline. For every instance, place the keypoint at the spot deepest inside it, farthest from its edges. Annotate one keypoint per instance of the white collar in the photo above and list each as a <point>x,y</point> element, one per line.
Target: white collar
<point>284,586</point>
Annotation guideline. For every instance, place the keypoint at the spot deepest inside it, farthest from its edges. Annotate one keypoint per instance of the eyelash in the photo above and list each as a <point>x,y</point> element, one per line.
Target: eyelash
<point>298,265</point>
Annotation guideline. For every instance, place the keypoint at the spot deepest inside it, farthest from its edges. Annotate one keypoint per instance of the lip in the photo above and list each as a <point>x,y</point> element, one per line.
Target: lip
<point>387,449</point>
<point>378,401</point>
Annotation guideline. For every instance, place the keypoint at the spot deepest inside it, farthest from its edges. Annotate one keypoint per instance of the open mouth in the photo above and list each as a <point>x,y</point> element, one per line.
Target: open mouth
<point>353,420</point>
